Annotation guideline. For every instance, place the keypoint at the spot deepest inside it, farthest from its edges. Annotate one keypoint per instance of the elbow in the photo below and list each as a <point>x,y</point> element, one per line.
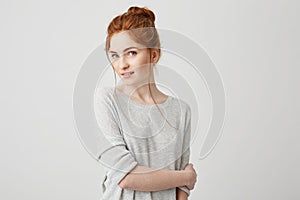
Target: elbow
<point>127,183</point>
<point>123,184</point>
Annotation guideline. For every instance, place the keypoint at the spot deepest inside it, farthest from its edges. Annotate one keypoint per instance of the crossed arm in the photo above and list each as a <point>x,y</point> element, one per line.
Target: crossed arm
<point>146,179</point>
<point>143,178</point>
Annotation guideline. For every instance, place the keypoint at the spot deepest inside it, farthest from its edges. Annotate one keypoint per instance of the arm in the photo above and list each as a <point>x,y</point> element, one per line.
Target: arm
<point>185,158</point>
<point>142,178</point>
<point>111,150</point>
<point>181,195</point>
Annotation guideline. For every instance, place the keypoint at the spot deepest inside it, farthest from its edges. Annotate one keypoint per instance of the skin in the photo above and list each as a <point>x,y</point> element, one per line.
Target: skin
<point>126,55</point>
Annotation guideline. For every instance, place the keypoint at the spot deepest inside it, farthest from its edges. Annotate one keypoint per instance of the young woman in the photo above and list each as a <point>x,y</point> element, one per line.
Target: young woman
<point>148,131</point>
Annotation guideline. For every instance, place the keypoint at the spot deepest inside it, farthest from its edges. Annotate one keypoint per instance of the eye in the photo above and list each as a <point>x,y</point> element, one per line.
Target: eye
<point>114,56</point>
<point>132,53</point>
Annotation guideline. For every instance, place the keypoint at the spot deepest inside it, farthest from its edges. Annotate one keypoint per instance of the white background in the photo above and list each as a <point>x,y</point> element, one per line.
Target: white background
<point>254,44</point>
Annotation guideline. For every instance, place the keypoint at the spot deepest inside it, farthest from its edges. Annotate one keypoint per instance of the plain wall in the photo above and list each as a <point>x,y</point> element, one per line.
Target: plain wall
<point>254,44</point>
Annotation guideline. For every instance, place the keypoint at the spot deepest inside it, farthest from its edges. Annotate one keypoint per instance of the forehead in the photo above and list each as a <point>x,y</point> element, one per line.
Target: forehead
<point>121,41</point>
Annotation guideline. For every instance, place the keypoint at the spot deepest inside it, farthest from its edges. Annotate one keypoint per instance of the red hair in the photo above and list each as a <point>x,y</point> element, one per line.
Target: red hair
<point>139,22</point>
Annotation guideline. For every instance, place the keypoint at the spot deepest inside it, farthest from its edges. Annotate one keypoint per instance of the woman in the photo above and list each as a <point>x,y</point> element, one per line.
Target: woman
<point>148,131</point>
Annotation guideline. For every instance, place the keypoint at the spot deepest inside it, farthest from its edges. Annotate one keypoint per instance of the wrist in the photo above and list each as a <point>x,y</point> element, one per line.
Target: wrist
<point>185,177</point>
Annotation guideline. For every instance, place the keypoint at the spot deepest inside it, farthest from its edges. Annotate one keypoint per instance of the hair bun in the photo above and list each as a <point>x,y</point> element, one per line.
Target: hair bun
<point>141,11</point>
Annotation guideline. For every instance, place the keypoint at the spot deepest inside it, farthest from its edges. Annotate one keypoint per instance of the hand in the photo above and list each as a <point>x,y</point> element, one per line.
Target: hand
<point>192,176</point>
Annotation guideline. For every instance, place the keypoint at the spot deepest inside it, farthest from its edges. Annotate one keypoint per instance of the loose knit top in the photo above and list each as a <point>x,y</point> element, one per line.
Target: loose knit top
<point>138,134</point>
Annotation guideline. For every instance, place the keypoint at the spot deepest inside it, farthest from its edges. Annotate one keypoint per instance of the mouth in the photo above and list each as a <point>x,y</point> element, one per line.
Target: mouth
<point>127,74</point>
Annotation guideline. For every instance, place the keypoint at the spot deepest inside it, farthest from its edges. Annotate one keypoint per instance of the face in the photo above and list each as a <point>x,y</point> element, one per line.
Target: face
<point>130,60</point>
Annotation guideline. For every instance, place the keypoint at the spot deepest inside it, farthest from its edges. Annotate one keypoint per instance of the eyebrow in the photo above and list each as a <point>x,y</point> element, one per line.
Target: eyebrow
<point>124,49</point>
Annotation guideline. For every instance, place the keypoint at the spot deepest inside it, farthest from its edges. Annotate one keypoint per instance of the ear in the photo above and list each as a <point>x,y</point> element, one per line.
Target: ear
<point>154,55</point>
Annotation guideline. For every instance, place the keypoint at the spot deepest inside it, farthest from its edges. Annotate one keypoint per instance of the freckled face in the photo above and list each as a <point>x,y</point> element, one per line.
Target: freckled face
<point>130,60</point>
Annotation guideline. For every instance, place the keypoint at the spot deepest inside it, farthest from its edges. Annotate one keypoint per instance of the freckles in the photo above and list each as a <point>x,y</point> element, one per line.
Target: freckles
<point>114,64</point>
<point>114,68</point>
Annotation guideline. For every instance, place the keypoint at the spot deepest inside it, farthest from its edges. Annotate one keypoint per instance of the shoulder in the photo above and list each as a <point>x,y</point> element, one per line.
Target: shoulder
<point>104,95</point>
<point>103,92</point>
<point>183,105</point>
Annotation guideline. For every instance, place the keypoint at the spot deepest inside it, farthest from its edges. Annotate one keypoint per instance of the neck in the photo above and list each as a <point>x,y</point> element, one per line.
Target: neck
<point>142,92</point>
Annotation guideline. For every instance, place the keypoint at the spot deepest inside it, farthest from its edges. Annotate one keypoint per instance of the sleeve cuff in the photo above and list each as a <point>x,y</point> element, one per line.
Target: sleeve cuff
<point>122,168</point>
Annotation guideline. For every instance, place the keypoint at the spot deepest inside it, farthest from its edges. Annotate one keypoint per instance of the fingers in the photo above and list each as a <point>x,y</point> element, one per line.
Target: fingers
<point>193,176</point>
<point>189,166</point>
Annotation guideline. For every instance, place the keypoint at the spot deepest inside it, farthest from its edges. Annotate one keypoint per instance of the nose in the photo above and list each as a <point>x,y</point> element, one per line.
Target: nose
<point>123,64</point>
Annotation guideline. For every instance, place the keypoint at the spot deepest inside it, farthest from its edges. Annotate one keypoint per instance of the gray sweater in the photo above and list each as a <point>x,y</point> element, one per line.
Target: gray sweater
<point>138,134</point>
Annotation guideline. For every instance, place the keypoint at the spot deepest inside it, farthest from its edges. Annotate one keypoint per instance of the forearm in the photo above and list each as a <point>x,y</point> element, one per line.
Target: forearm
<point>143,178</point>
<point>181,195</point>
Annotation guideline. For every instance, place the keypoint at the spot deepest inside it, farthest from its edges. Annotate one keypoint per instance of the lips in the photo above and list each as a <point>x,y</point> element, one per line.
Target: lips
<point>127,74</point>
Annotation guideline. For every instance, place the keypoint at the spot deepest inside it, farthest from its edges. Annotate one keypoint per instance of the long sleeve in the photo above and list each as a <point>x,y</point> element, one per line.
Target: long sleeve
<point>115,155</point>
<point>186,146</point>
